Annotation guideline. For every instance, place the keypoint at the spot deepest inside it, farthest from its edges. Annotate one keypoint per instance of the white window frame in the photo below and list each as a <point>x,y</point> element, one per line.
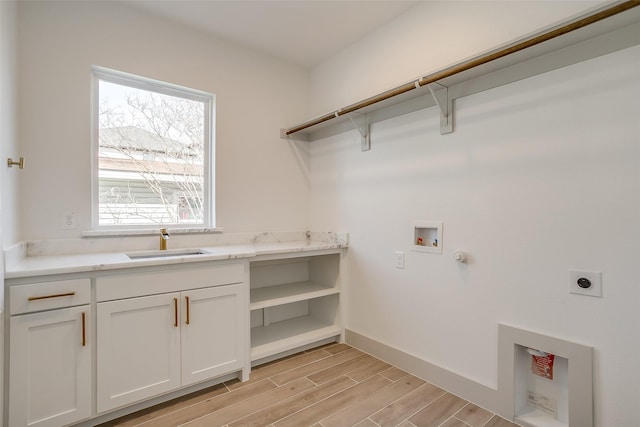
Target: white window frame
<point>118,77</point>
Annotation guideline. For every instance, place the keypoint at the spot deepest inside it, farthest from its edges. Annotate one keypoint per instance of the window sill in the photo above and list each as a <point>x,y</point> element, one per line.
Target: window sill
<point>150,232</point>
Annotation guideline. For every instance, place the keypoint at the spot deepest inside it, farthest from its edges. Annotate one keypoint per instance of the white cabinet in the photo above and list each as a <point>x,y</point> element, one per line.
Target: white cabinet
<point>212,332</point>
<point>149,345</point>
<point>158,332</point>
<point>138,349</point>
<point>50,353</point>
<point>294,302</point>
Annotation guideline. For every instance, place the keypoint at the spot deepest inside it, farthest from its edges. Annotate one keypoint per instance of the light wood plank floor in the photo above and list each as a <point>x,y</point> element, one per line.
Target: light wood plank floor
<point>331,386</point>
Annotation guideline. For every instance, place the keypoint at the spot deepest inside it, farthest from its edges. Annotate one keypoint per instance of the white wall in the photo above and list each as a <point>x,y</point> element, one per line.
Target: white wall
<point>8,147</point>
<point>9,177</point>
<point>427,38</point>
<point>261,184</point>
<point>540,176</point>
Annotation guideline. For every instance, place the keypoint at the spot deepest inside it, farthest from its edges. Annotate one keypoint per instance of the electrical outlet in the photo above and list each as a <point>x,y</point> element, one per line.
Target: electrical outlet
<point>69,221</point>
<point>399,259</point>
<point>585,283</point>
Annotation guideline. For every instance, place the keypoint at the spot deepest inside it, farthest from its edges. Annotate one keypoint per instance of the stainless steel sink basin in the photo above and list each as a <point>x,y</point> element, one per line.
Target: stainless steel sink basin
<point>167,253</point>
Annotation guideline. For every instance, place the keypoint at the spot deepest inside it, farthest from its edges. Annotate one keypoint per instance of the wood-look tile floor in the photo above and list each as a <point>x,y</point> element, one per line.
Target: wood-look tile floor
<point>330,386</point>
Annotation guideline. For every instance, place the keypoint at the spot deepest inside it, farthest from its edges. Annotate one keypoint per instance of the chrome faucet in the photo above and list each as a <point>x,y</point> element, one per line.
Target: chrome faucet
<point>164,236</point>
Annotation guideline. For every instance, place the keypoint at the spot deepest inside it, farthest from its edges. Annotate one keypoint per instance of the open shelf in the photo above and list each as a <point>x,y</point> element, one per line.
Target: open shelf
<point>294,302</point>
<point>288,334</point>
<point>288,293</point>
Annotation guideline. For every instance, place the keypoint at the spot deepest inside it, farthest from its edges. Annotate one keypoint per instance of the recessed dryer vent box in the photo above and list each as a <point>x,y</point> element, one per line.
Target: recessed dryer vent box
<point>535,390</point>
<point>427,236</point>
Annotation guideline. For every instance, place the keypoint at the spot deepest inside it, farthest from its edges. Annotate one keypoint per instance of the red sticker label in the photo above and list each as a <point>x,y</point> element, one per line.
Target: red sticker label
<point>542,365</point>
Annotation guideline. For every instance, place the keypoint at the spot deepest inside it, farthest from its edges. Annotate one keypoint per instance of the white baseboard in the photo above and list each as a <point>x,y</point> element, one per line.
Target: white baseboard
<point>479,394</point>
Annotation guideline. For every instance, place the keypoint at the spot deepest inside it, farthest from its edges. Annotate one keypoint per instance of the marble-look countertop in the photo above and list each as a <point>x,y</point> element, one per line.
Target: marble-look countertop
<point>41,265</point>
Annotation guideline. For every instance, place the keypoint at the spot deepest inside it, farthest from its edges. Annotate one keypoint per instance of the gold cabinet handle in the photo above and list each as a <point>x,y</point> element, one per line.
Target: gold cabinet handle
<point>11,163</point>
<point>68,294</point>
<point>186,299</point>
<point>84,330</point>
<point>175,306</point>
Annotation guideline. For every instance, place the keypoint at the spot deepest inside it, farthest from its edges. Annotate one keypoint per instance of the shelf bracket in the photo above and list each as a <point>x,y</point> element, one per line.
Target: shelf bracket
<point>445,103</point>
<point>363,129</point>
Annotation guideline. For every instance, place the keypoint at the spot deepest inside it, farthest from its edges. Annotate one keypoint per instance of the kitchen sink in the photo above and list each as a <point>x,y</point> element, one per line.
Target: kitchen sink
<point>167,253</point>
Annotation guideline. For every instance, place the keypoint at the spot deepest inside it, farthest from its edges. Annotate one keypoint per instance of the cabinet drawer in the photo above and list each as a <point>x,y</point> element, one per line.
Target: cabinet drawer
<point>49,295</point>
<point>162,281</point>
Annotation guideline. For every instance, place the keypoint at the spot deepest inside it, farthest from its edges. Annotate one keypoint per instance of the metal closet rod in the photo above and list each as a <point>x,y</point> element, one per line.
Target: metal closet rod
<point>472,63</point>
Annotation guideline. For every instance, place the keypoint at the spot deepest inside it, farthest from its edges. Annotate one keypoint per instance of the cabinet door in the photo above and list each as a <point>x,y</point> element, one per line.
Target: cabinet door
<point>138,349</point>
<point>50,367</point>
<point>213,332</point>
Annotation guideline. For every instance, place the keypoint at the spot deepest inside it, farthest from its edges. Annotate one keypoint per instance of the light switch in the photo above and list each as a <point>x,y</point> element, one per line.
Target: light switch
<point>399,259</point>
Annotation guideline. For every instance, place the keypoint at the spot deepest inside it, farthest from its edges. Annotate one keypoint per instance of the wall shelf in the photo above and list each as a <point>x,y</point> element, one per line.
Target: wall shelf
<point>607,35</point>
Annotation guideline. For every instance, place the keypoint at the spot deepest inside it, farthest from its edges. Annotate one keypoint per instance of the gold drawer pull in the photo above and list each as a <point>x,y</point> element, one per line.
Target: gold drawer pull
<point>84,330</point>
<point>175,319</point>
<point>68,294</point>
<point>188,314</point>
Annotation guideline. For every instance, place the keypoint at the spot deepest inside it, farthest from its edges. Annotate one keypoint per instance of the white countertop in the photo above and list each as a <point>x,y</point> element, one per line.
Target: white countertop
<point>76,263</point>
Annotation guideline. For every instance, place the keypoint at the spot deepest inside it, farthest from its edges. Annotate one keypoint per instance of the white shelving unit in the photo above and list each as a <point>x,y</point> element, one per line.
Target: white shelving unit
<point>294,302</point>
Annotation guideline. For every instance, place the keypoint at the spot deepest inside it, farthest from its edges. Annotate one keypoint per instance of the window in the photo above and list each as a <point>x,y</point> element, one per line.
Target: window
<point>154,156</point>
